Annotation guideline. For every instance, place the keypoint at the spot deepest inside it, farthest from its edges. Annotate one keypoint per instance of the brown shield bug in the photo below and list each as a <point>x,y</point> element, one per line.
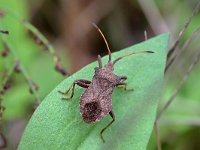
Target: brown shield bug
<point>96,101</point>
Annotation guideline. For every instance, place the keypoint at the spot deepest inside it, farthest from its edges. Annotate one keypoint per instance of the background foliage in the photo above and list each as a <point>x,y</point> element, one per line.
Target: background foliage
<point>135,111</point>
<point>67,25</point>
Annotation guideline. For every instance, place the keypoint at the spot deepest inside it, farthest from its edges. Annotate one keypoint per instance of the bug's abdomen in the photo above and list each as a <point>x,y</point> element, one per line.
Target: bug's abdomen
<point>91,111</point>
<point>95,102</point>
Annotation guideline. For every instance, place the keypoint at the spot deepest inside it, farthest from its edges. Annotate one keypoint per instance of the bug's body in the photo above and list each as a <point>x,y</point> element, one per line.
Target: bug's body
<point>96,101</point>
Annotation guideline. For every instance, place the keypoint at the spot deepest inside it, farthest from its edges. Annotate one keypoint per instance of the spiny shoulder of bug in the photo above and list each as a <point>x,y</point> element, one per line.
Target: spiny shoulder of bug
<point>106,73</point>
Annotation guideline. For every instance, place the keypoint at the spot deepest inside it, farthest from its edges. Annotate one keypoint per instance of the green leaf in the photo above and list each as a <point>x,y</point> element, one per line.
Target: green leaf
<point>57,124</point>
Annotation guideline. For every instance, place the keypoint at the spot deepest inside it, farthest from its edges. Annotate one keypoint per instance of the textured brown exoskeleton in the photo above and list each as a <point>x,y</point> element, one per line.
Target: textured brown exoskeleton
<point>96,101</point>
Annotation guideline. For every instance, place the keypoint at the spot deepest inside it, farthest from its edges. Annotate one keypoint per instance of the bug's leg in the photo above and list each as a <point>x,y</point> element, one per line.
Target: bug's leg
<point>99,61</point>
<point>124,86</point>
<point>81,83</point>
<point>111,113</point>
<point>123,78</point>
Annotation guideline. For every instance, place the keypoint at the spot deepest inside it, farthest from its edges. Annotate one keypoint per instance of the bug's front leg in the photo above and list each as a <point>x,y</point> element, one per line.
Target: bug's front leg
<point>123,78</point>
<point>81,83</point>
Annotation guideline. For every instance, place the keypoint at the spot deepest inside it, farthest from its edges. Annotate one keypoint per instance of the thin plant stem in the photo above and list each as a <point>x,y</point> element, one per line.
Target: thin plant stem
<point>22,68</point>
<point>187,43</point>
<point>171,51</point>
<point>182,81</point>
<point>171,99</point>
<point>43,40</point>
<point>157,131</point>
<point>7,78</point>
<point>36,32</point>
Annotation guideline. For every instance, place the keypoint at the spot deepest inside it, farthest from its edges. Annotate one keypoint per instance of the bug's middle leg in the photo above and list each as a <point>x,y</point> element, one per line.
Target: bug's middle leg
<point>81,83</point>
<point>111,113</point>
<point>123,78</point>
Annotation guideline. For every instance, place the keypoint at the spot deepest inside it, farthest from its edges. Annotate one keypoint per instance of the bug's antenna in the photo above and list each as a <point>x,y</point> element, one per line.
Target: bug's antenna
<point>109,52</point>
<point>130,55</point>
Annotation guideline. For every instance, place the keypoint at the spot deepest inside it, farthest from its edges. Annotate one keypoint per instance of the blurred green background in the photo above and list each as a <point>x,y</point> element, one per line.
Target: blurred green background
<point>67,25</point>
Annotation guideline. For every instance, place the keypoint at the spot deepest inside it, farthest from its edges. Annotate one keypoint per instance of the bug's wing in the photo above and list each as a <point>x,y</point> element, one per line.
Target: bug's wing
<point>102,91</point>
<point>95,102</point>
<point>98,89</point>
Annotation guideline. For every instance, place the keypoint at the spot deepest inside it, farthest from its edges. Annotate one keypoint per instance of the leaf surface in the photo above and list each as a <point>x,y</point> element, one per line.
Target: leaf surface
<point>57,124</point>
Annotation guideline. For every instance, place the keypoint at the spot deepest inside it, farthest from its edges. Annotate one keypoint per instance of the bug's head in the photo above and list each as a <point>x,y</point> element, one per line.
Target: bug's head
<point>103,71</point>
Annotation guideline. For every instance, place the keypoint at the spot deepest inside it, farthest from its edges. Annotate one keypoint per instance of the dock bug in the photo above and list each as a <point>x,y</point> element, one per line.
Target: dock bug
<point>96,101</point>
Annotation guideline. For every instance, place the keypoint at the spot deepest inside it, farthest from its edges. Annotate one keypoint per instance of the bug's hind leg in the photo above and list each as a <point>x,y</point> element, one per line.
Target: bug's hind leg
<point>122,83</point>
<point>111,113</point>
<point>81,83</point>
